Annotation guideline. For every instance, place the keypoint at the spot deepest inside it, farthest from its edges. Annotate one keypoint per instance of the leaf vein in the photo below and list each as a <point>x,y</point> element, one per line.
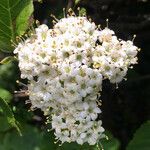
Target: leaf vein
<point>10,18</point>
<point>5,34</point>
<point>3,7</point>
<point>15,4</point>
<point>5,24</point>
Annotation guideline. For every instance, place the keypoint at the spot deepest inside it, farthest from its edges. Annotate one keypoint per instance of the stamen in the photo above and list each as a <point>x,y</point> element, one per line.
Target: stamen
<point>49,130</point>
<point>107,20</point>
<point>54,17</point>
<point>134,36</point>
<point>101,146</point>
<point>56,141</point>
<point>37,22</point>
<point>13,43</point>
<point>28,102</point>
<point>99,27</point>
<point>21,84</point>
<point>71,12</point>
<point>117,86</point>
<point>64,12</point>
<point>98,102</point>
<point>33,108</point>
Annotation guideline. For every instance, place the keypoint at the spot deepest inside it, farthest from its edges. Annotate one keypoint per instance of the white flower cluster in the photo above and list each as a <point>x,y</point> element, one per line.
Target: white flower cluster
<point>65,67</point>
<point>113,56</point>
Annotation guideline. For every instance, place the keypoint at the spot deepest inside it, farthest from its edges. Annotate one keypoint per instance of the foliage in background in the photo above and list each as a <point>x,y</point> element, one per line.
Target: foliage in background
<point>14,16</point>
<point>9,115</point>
<point>141,140</point>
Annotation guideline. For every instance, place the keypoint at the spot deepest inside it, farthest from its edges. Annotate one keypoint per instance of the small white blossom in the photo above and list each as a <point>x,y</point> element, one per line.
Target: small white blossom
<point>65,67</point>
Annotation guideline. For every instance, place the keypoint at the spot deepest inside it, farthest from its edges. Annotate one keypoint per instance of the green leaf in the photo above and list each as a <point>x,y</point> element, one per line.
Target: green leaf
<point>10,116</point>
<point>21,21</point>
<point>8,75</point>
<point>141,140</point>
<point>9,11</point>
<point>29,140</point>
<point>47,142</point>
<point>6,95</point>
<point>33,139</point>
<point>4,126</point>
<point>110,144</point>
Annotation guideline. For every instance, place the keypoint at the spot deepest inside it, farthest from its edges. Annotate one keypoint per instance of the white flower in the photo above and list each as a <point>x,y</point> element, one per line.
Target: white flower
<point>57,123</point>
<point>65,67</point>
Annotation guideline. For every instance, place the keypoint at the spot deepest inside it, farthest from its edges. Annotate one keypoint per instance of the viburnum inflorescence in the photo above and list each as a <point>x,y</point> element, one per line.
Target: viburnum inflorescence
<point>65,67</point>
